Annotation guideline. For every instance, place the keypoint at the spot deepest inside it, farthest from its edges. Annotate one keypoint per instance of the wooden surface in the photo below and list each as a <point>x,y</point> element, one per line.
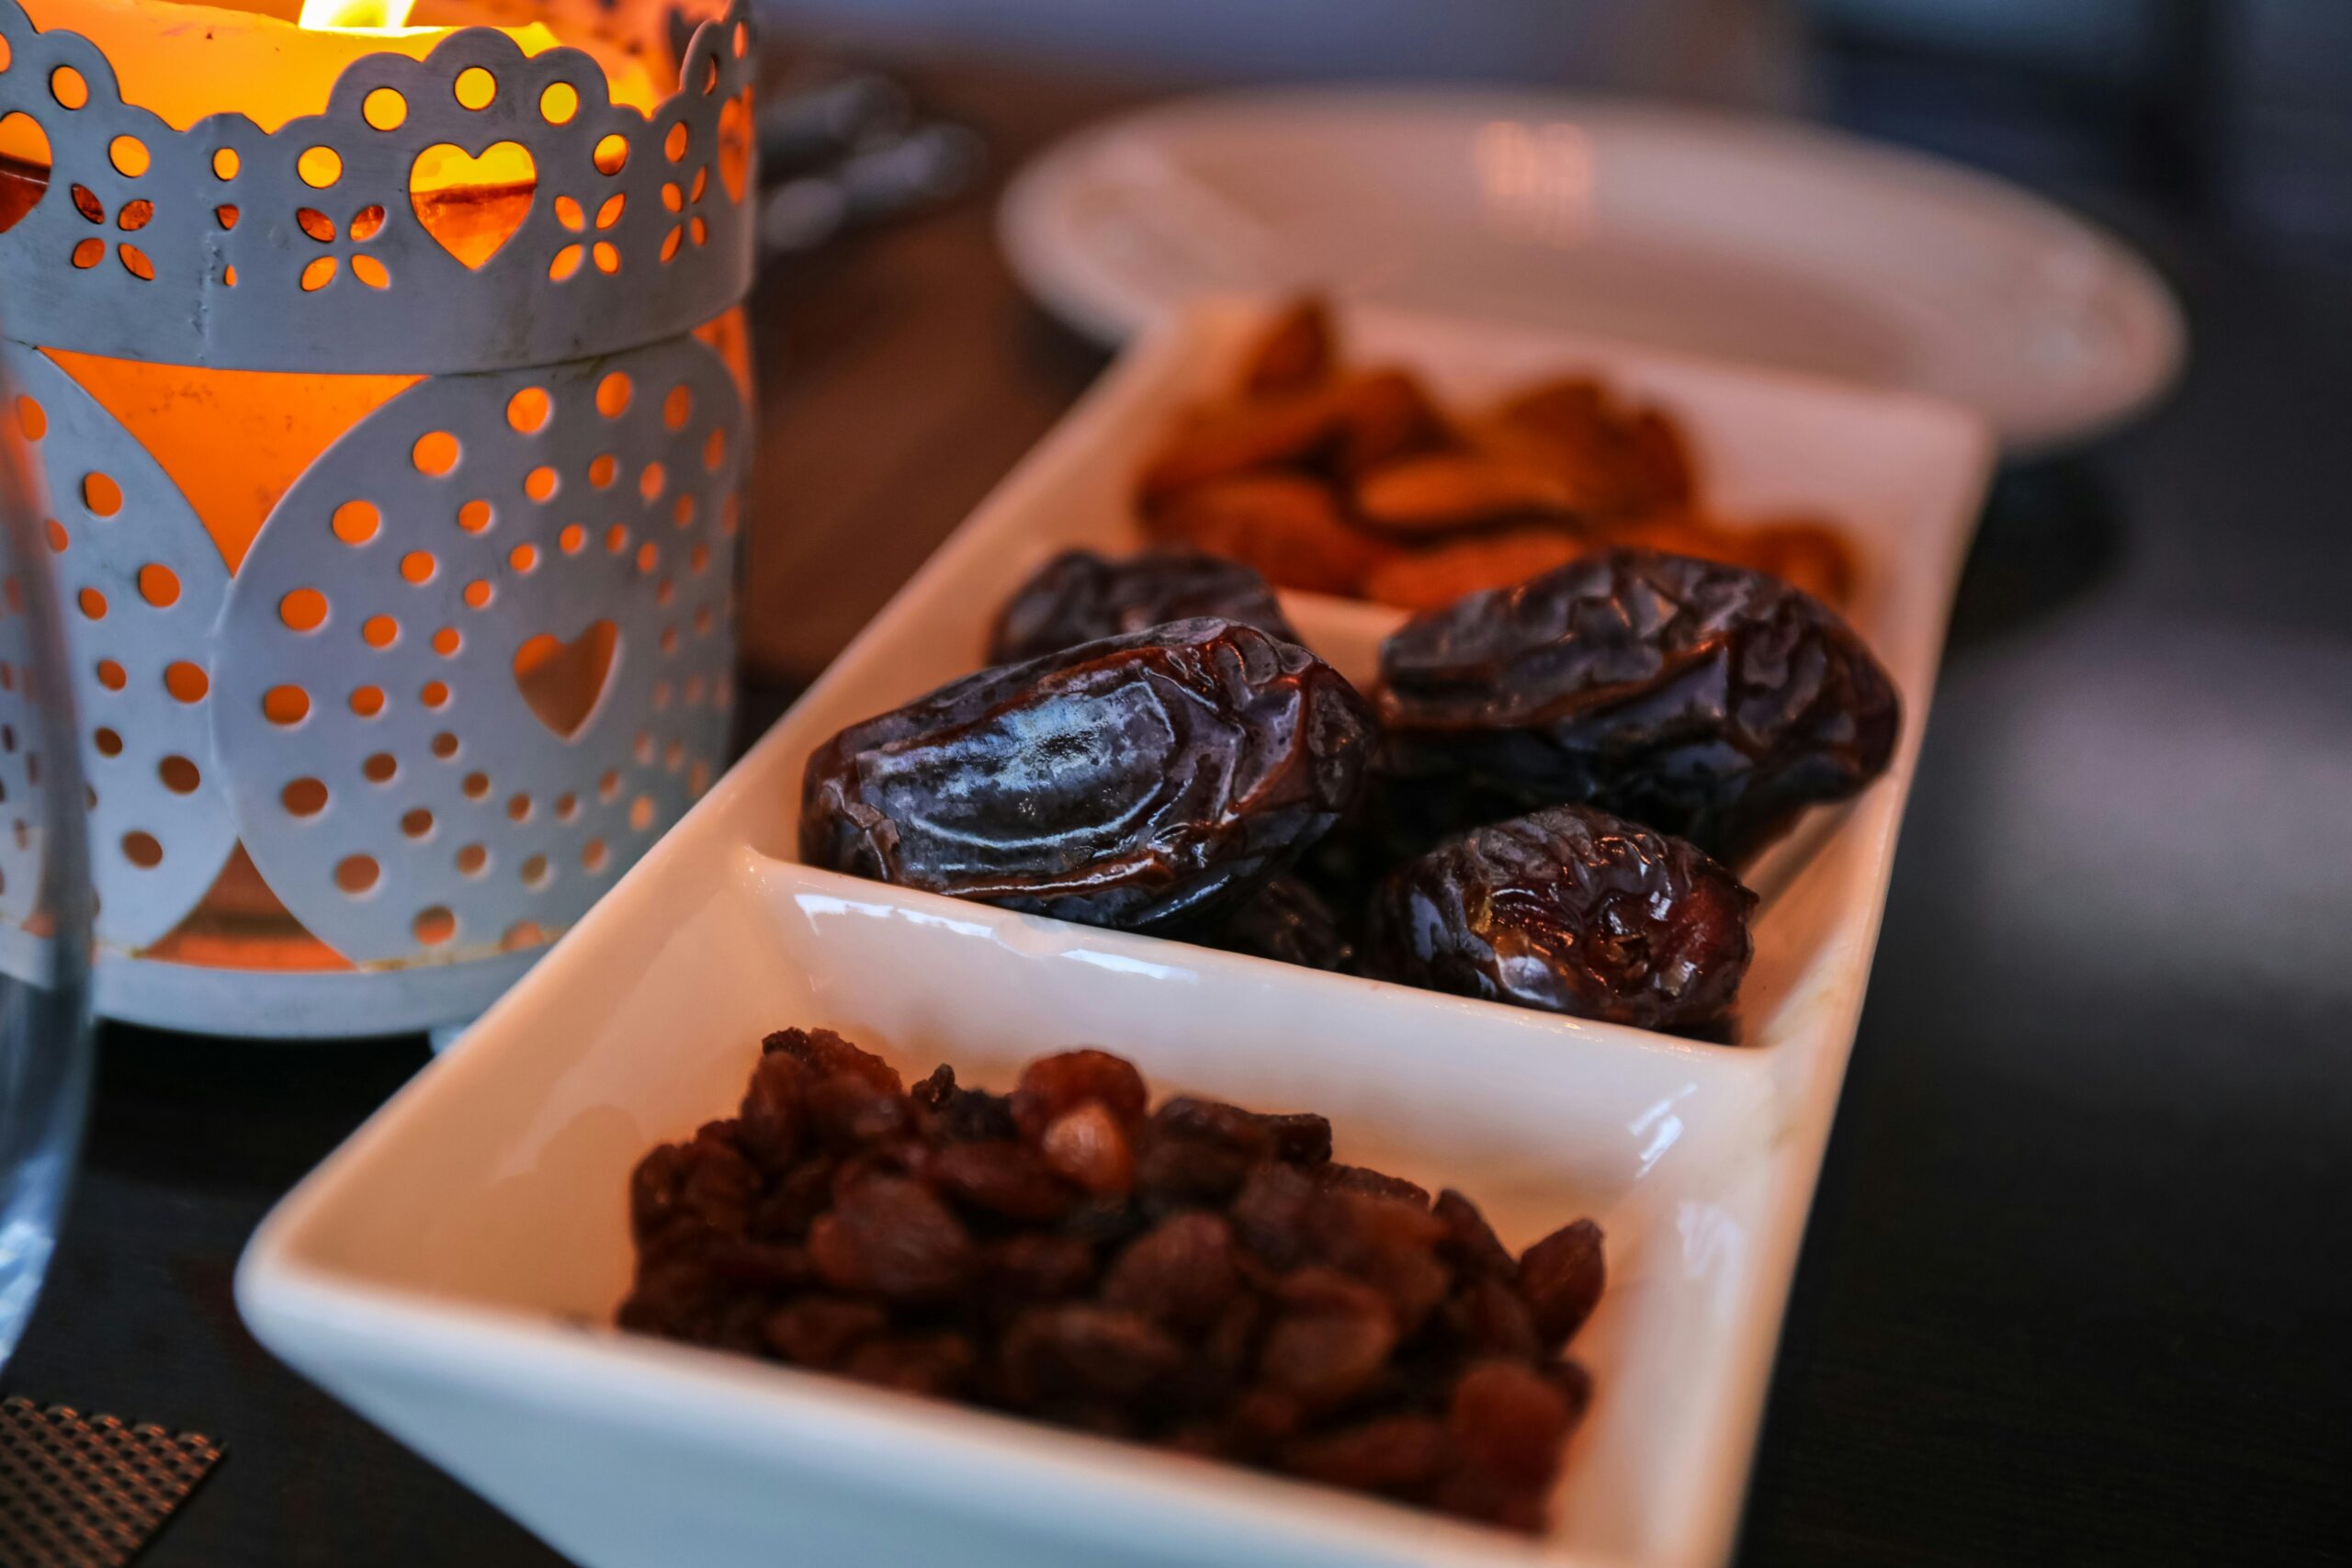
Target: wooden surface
<point>2074,1288</point>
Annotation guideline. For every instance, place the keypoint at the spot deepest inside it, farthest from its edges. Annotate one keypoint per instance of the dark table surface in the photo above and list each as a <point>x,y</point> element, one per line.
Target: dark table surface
<point>2077,1285</point>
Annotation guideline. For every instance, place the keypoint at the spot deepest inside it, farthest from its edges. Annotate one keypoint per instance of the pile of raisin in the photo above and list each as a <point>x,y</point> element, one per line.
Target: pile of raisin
<point>1191,1275</point>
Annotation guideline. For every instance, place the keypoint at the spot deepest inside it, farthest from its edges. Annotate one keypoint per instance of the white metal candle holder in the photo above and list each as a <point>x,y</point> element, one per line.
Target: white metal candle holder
<point>349,774</point>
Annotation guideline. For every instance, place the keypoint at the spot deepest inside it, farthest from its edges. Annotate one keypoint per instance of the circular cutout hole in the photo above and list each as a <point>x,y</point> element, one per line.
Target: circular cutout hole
<point>58,538</point>
<point>380,767</point>
<point>178,774</point>
<point>417,822</point>
<point>558,102</point>
<point>93,604</point>
<point>111,675</point>
<point>479,593</point>
<point>444,745</point>
<point>649,556</point>
<point>32,420</point>
<point>187,681</point>
<point>608,786</point>
<point>225,163</point>
<point>356,874</point>
<point>129,155</point>
<point>592,856</point>
<point>143,850</point>
<point>678,407</point>
<point>534,872</point>
<point>475,517</point>
<point>418,566</point>
<point>641,813</point>
<point>605,257</point>
<point>384,108</point>
<point>368,701</point>
<point>380,631</point>
<point>101,494</point>
<point>89,253</point>
<point>303,610</point>
<point>613,395</point>
<point>522,558</point>
<point>135,216</point>
<point>445,642</point>
<point>699,558</point>
<point>435,453</point>
<point>474,860</point>
<point>573,539</point>
<point>539,484</point>
<point>319,166</point>
<point>66,86</point>
<point>518,808</point>
<point>672,756</point>
<point>604,470</point>
<point>356,522</point>
<point>651,483</point>
<point>108,743</point>
<point>286,704</point>
<point>681,511</point>
<point>529,410</point>
<point>567,807</point>
<point>435,926</point>
<point>476,87</point>
<point>476,785</point>
<point>303,798</point>
<point>674,145</point>
<point>159,585</point>
<point>713,451</point>
<point>612,154</point>
<point>433,694</point>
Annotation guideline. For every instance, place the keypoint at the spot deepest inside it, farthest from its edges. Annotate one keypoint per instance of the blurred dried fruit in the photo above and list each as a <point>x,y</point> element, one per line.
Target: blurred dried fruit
<point>1569,910</point>
<point>1288,526</point>
<point>1293,353</point>
<point>1080,596</point>
<point>1433,577</point>
<point>1443,491</point>
<point>1561,1278</point>
<point>1705,700</point>
<point>1250,1300</point>
<point>1132,782</point>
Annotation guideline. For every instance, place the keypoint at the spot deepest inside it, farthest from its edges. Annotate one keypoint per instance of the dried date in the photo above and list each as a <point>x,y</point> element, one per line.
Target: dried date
<point>1287,921</point>
<point>1705,700</point>
<point>1133,781</point>
<point>1569,910</point>
<point>1080,596</point>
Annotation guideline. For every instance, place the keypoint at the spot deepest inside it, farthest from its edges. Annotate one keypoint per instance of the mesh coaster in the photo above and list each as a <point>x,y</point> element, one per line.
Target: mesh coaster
<point>88,1494</point>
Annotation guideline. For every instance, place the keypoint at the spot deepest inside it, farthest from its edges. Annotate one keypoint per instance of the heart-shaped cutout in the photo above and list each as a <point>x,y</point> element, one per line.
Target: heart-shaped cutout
<point>564,682</point>
<point>473,204</point>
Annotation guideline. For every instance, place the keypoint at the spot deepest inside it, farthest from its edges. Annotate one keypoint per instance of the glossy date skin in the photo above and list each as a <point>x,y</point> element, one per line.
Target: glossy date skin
<point>1702,699</point>
<point>1080,596</point>
<point>1569,910</point>
<point>1136,782</point>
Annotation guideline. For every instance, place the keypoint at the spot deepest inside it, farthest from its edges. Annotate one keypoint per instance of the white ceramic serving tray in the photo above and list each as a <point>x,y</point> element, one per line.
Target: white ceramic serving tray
<point>452,1271</point>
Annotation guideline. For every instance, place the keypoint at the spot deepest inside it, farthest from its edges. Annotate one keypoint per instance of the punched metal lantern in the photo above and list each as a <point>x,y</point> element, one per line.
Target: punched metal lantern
<point>393,454</point>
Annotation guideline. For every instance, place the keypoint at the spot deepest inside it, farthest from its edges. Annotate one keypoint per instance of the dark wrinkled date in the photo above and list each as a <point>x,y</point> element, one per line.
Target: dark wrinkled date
<point>1131,782</point>
<point>1570,910</point>
<point>1080,596</point>
<point>1701,699</point>
<point>1287,921</point>
<point>1196,1276</point>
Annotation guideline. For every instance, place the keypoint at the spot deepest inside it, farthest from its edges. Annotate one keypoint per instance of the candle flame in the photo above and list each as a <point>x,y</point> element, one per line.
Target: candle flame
<point>355,15</point>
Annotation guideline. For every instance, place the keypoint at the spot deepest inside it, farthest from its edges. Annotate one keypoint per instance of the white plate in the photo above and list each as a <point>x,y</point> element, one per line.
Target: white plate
<point>451,1271</point>
<point>1748,239</point>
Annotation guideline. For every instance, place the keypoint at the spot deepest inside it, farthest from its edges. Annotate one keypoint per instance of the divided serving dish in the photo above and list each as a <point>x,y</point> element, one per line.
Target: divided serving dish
<point>451,1272</point>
